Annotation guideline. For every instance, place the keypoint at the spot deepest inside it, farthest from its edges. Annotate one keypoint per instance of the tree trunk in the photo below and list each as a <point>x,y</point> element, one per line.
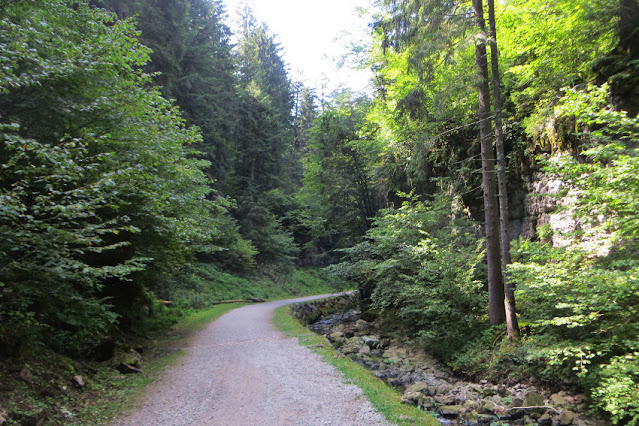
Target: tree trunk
<point>496,310</point>
<point>628,22</point>
<point>509,289</point>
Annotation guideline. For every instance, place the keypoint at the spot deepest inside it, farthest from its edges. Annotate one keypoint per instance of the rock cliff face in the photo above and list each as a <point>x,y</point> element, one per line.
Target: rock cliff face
<point>538,213</point>
<point>533,203</point>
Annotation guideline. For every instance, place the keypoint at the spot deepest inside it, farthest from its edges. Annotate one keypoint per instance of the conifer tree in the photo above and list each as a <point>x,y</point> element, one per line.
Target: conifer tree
<point>496,310</point>
<point>509,290</point>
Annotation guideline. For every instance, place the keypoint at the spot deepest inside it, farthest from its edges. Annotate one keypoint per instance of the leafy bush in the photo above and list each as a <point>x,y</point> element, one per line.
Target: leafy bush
<point>420,264</point>
<point>617,390</point>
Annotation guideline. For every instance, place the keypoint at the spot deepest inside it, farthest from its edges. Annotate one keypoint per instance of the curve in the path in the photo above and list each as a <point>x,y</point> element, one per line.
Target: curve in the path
<point>242,371</point>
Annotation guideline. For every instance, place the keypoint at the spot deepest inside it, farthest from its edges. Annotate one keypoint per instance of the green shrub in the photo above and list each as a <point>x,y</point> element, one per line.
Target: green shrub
<point>419,264</point>
<point>617,389</point>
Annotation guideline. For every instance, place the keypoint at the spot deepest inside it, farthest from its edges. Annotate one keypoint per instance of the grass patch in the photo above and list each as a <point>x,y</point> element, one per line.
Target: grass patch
<point>383,397</point>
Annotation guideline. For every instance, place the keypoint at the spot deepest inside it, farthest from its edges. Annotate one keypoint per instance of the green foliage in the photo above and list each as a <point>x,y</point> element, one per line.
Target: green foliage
<point>96,182</point>
<point>341,174</point>
<point>550,45</point>
<point>419,264</point>
<point>236,254</point>
<point>264,117</point>
<point>274,244</point>
<point>617,388</point>
<point>428,102</point>
<point>192,63</point>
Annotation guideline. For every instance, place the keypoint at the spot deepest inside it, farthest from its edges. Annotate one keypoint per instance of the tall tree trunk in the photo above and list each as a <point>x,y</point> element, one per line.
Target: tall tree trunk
<point>628,24</point>
<point>496,310</point>
<point>509,289</point>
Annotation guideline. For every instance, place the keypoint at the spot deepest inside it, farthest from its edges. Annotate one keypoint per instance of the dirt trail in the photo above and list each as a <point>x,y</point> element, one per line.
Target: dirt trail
<point>242,371</point>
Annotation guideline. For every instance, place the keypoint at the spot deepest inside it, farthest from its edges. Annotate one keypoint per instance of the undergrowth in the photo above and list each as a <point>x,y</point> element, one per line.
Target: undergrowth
<point>199,285</point>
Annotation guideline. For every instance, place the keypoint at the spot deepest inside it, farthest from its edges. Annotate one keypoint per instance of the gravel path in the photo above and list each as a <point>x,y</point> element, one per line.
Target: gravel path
<point>242,371</point>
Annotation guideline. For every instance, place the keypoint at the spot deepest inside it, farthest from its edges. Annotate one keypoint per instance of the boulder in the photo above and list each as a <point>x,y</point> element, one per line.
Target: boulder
<point>445,399</point>
<point>566,418</point>
<point>337,338</point>
<point>133,358</point>
<point>471,405</point>
<point>471,418</point>
<point>444,388</point>
<point>558,400</point>
<point>352,346</point>
<point>361,325</point>
<point>427,403</point>
<point>517,402</point>
<point>487,392</point>
<point>476,388</point>
<point>394,381</point>
<point>78,381</point>
<point>533,399</point>
<point>421,387</point>
<point>487,407</point>
<point>496,399</point>
<point>25,375</point>
<point>372,342</point>
<point>545,419</point>
<point>371,365</point>
<point>411,398</point>
<point>535,415</point>
<point>450,410</point>
<point>485,419</point>
<point>364,350</point>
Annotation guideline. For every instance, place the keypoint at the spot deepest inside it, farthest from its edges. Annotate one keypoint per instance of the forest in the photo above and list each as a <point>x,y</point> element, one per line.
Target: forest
<point>482,197</point>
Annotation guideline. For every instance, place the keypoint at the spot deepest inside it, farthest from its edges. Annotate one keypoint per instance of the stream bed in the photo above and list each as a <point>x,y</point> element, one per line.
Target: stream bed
<point>432,387</point>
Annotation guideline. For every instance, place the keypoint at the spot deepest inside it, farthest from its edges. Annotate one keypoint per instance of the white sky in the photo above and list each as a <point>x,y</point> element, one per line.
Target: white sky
<point>314,35</point>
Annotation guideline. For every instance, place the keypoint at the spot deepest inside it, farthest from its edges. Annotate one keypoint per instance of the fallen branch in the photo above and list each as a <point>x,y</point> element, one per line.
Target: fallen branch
<point>249,300</point>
